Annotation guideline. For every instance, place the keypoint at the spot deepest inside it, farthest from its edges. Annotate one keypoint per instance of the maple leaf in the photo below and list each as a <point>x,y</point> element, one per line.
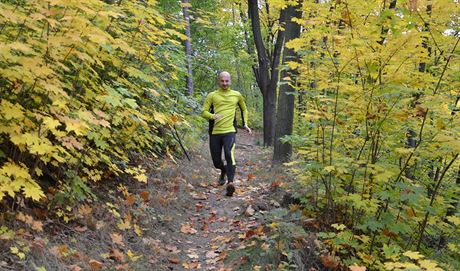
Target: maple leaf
<point>75,267</point>
<point>126,224</point>
<point>117,238</point>
<point>414,255</point>
<point>192,265</point>
<point>33,191</point>
<point>76,126</point>
<point>117,255</point>
<point>51,123</point>
<point>137,230</point>
<point>251,177</point>
<point>145,195</point>
<point>37,226</point>
<point>332,262</point>
<point>141,178</point>
<point>95,265</point>
<point>187,228</point>
<point>11,111</point>
<point>130,200</point>
<point>133,257</point>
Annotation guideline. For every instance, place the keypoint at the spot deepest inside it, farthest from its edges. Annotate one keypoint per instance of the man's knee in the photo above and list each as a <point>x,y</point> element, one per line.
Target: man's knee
<point>230,160</point>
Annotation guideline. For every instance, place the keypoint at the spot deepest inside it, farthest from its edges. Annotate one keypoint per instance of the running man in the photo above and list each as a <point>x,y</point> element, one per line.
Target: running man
<point>220,109</point>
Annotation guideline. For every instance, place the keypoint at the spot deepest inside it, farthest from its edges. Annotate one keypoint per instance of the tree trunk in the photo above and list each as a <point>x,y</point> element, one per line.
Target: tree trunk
<point>266,72</point>
<point>285,110</point>
<point>188,47</point>
<point>239,76</point>
<point>269,109</point>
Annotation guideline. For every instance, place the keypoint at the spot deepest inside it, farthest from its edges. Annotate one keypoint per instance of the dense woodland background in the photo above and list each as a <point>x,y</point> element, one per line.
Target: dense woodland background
<point>361,99</point>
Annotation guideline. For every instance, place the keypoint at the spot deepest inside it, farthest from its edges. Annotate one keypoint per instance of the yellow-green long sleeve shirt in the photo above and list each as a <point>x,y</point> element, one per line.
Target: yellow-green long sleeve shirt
<point>224,102</point>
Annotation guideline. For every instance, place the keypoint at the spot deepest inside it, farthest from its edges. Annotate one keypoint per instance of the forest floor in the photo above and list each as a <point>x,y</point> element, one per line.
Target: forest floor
<point>180,220</point>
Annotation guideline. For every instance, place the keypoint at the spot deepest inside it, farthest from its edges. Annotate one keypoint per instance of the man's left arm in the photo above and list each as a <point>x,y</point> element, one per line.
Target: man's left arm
<point>244,109</point>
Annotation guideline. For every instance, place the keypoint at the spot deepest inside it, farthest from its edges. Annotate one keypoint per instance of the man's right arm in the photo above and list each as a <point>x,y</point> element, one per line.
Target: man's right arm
<point>206,106</point>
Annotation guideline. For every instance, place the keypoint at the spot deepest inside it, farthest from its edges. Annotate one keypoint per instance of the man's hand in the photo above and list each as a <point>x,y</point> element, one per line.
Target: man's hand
<point>217,117</point>
<point>248,129</point>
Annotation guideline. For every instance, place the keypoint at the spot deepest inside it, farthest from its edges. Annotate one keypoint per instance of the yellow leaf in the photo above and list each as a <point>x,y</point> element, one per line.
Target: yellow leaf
<point>137,230</point>
<point>141,178</point>
<point>414,255</point>
<point>427,264</point>
<point>33,191</point>
<point>339,227</point>
<point>38,172</point>
<point>454,219</point>
<point>11,111</point>
<point>77,126</point>
<point>133,257</point>
<point>14,250</point>
<point>160,117</point>
<point>51,123</point>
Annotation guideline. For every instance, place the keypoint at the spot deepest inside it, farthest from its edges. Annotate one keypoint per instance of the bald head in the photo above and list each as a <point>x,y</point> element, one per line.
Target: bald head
<point>224,80</point>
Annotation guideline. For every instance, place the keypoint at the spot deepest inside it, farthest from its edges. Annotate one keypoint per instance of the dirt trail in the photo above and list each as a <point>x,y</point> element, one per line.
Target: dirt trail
<point>179,220</point>
<point>214,224</point>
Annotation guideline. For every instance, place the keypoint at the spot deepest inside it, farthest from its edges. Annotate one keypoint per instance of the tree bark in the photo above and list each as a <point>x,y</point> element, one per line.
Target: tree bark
<point>285,110</point>
<point>239,76</point>
<point>266,72</point>
<point>188,47</point>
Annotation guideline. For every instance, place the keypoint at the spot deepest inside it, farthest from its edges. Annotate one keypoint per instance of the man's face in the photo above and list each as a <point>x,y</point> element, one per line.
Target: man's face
<point>224,81</point>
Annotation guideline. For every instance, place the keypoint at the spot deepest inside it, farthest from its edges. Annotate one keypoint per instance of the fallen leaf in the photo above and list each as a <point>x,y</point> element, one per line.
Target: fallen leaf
<point>199,206</point>
<point>172,249</point>
<point>85,210</point>
<point>37,226</point>
<point>205,226</point>
<point>211,255</point>
<point>117,255</point>
<point>145,195</point>
<point>133,257</point>
<point>95,265</point>
<point>174,260</point>
<point>126,224</point>
<point>251,176</point>
<point>331,262</point>
<point>75,267</point>
<point>249,211</point>
<point>80,228</point>
<point>122,266</point>
<point>137,230</point>
<point>191,265</point>
<point>38,243</point>
<point>222,256</point>
<point>59,251</point>
<point>193,255</point>
<point>276,184</point>
<point>198,196</point>
<point>117,239</point>
<point>130,200</point>
<point>187,228</point>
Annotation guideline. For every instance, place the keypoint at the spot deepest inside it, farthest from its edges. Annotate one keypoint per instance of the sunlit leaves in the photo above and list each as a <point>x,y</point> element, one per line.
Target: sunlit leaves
<point>14,177</point>
<point>380,123</point>
<point>72,89</point>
